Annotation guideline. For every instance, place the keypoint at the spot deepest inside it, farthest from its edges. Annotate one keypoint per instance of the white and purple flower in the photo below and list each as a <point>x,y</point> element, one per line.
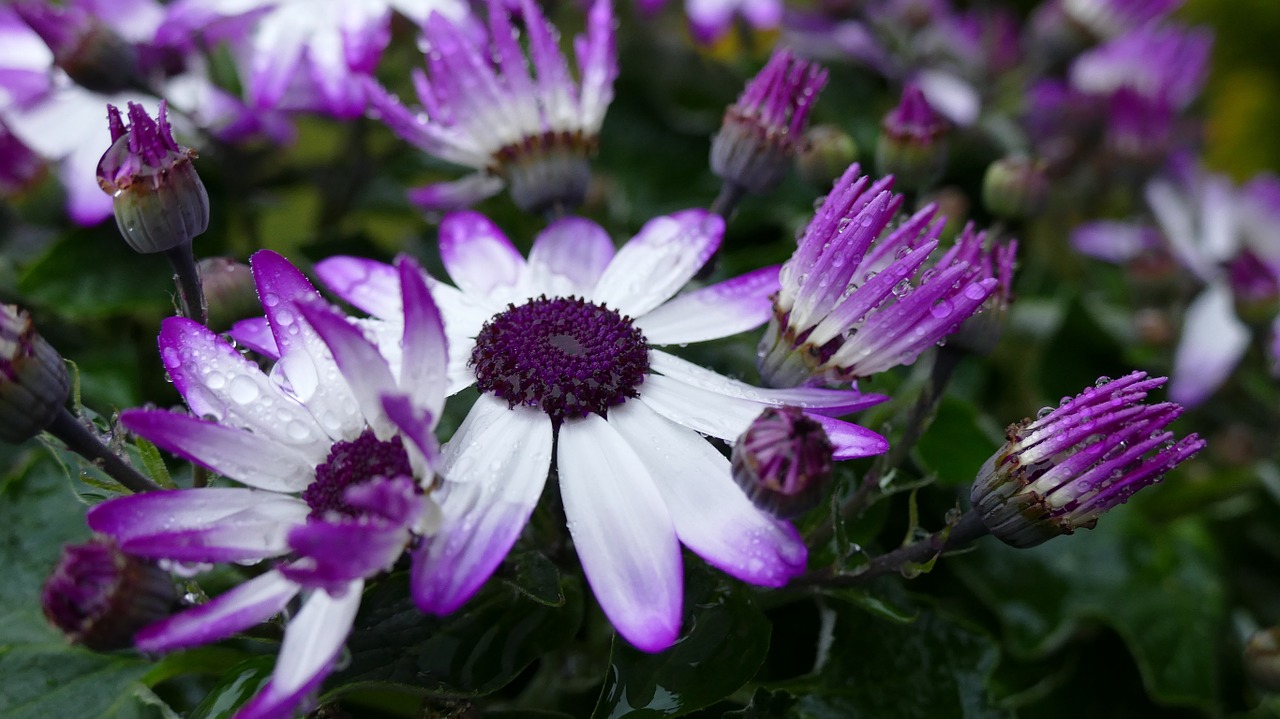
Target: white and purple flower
<point>482,107</point>
<point>334,447</point>
<point>312,55</point>
<point>561,347</point>
<point>856,297</point>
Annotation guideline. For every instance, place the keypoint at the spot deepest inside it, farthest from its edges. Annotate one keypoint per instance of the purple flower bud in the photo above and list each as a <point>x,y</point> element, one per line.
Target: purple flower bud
<point>980,333</point>
<point>1061,471</point>
<point>88,50</point>
<point>913,141</point>
<point>160,202</point>
<point>763,130</point>
<point>33,379</point>
<point>1015,187</point>
<point>99,596</point>
<point>827,151</point>
<point>783,462</point>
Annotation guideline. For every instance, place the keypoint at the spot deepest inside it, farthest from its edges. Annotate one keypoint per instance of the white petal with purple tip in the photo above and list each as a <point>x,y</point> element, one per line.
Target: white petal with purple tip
<point>712,516</point>
<point>367,284</point>
<point>424,367</point>
<point>622,531</point>
<point>1213,341</point>
<point>248,605</point>
<point>720,310</point>
<point>255,333</point>
<point>712,413</point>
<point>568,257</point>
<point>666,253</point>
<point>364,369</point>
<point>477,254</point>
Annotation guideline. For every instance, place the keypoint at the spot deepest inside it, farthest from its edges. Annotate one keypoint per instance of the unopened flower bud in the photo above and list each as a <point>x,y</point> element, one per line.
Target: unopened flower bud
<point>100,597</point>
<point>89,51</point>
<point>763,130</point>
<point>229,291</point>
<point>160,202</point>
<point>913,142</point>
<point>982,331</point>
<point>783,462</point>
<point>34,384</point>
<point>1262,659</point>
<point>1015,187</point>
<point>827,151</point>
<point>1060,472</point>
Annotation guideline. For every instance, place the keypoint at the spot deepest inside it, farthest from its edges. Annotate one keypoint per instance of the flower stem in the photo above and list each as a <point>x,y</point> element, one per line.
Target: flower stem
<point>731,193</point>
<point>187,277</point>
<point>80,440</point>
<point>966,530</point>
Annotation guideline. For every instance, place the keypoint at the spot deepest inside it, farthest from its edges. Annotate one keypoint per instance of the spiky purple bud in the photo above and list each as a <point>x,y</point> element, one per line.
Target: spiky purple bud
<point>763,130</point>
<point>783,462</point>
<point>913,142</point>
<point>1061,471</point>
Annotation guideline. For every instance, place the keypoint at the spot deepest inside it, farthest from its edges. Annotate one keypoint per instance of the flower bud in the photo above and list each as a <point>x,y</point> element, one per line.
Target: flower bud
<point>229,291</point>
<point>913,142</point>
<point>1015,187</point>
<point>783,462</point>
<point>160,202</point>
<point>827,151</point>
<point>99,596</point>
<point>762,131</point>
<point>89,51</point>
<point>1060,472</point>
<point>981,332</point>
<point>34,384</point>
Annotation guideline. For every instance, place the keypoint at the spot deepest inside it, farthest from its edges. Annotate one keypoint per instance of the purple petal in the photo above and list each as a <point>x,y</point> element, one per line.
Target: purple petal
<point>456,194</point>
<point>720,310</point>
<point>622,531</point>
<point>711,515</point>
<point>255,333</point>
<point>424,363</point>
<point>311,646</point>
<point>849,440</point>
<point>243,456</point>
<point>478,256</point>
<point>200,525</point>
<point>666,253</point>
<point>416,425</point>
<point>570,249</point>
<point>494,469</point>
<point>247,605</point>
<point>371,286</point>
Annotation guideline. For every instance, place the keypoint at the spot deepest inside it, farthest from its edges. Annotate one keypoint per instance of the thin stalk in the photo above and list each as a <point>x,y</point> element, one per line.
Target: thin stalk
<point>187,278</point>
<point>965,531</point>
<point>80,440</point>
<point>731,193</point>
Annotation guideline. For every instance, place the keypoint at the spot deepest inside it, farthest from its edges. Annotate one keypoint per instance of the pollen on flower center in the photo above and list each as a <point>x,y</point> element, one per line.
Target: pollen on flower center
<point>351,463</point>
<point>564,355</point>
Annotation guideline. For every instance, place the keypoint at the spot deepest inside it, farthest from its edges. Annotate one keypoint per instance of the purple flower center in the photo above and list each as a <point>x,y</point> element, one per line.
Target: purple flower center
<point>564,355</point>
<point>351,463</point>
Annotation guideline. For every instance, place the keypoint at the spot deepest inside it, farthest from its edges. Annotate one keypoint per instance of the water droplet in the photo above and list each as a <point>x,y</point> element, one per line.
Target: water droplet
<point>941,310</point>
<point>1044,412</point>
<point>243,389</point>
<point>1102,381</point>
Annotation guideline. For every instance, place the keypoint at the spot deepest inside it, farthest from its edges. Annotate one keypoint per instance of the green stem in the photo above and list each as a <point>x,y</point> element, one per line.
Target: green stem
<point>187,277</point>
<point>965,531</point>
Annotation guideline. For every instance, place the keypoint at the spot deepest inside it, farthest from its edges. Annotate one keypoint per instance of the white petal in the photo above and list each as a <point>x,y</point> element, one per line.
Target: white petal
<point>1213,341</point>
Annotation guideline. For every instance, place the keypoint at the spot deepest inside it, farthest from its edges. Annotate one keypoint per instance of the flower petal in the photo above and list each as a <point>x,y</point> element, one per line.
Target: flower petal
<point>456,194</point>
<point>306,365</point>
<point>312,643</point>
<point>711,514</point>
<point>424,363</point>
<point>247,605</point>
<point>720,310</point>
<point>832,402</point>
<point>850,440</point>
<point>255,333</point>
<point>200,525</point>
<point>666,253</point>
<point>622,531</point>
<point>1213,341</point>
<point>701,410</point>
<point>494,469</point>
<point>369,285</point>
<point>364,369</point>
<point>569,256</point>
<point>478,256</point>
<point>243,456</point>
<point>219,383</point>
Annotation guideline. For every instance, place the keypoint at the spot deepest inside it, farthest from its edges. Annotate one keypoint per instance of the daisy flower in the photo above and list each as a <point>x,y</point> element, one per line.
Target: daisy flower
<point>562,349</point>
<point>333,447</point>
<point>483,108</point>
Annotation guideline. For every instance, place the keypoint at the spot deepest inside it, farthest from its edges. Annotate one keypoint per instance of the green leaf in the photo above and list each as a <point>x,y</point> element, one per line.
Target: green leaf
<point>55,680</point>
<point>537,578</point>
<point>877,606</point>
<point>955,446</point>
<point>726,642</point>
<point>1156,586</point>
<point>471,652</point>
<point>934,667</point>
<point>237,686</point>
<point>765,704</point>
<point>116,281</point>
